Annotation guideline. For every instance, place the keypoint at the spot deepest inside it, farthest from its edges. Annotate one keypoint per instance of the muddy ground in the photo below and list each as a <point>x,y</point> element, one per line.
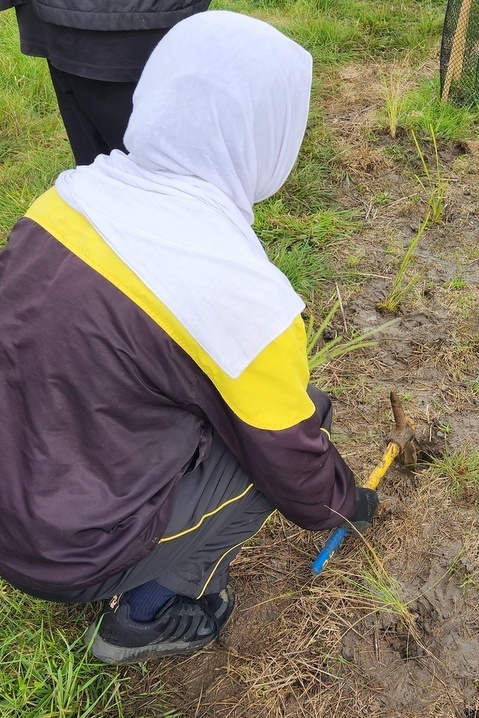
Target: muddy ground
<point>304,646</point>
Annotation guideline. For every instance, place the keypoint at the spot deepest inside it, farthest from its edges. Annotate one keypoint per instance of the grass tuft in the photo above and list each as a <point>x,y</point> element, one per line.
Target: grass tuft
<point>459,470</point>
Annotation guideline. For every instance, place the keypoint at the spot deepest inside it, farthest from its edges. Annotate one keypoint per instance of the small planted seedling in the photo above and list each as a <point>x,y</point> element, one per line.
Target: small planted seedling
<point>379,589</point>
<point>434,183</point>
<point>335,346</point>
<point>400,288</point>
<point>393,88</point>
<point>370,587</point>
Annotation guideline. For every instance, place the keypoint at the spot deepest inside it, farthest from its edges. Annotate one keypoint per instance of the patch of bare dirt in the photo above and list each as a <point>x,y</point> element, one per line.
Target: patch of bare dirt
<point>338,645</point>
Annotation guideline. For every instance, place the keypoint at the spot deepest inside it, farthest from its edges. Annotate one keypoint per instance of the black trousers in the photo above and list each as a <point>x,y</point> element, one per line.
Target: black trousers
<point>95,113</point>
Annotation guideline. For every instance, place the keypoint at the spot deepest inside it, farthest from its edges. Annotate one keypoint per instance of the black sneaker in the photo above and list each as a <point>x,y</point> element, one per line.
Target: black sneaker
<point>183,625</point>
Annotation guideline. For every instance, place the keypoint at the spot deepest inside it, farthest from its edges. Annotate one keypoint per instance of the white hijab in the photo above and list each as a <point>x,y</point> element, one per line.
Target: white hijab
<point>218,118</point>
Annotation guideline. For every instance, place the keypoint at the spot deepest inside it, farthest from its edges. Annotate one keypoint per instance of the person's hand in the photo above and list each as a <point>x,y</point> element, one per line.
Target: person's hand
<point>366,504</point>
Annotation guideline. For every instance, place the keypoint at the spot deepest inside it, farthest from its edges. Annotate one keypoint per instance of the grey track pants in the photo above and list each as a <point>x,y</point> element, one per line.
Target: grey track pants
<point>216,510</point>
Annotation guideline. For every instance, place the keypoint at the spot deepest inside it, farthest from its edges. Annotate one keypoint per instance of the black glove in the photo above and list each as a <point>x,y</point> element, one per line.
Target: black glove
<point>366,504</point>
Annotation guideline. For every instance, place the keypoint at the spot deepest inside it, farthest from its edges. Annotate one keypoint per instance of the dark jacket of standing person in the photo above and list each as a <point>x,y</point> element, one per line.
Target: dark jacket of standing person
<point>95,53</point>
<point>113,15</point>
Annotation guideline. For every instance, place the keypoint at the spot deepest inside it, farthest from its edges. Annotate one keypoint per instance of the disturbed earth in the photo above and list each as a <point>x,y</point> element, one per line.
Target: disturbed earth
<point>391,627</point>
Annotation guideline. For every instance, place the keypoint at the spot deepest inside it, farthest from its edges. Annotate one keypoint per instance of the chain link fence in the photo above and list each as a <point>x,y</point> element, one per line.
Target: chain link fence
<point>459,60</point>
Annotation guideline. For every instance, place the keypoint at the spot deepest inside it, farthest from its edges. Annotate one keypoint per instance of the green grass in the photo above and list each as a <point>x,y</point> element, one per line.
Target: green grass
<point>33,144</point>
<point>423,110</point>
<point>302,246</point>
<point>414,104</point>
<point>45,669</point>
<point>459,470</point>
<point>346,30</point>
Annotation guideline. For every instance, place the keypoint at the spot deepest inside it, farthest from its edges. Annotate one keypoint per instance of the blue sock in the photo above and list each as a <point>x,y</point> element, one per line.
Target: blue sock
<point>146,600</point>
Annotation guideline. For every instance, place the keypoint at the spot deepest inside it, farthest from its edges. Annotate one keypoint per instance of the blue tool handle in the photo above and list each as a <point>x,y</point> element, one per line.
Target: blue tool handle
<point>329,548</point>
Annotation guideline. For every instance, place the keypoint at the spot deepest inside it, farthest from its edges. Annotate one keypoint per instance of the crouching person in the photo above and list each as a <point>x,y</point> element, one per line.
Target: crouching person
<point>154,399</point>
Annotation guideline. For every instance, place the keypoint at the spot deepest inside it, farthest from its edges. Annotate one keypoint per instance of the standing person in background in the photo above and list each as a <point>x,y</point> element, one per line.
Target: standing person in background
<point>95,57</point>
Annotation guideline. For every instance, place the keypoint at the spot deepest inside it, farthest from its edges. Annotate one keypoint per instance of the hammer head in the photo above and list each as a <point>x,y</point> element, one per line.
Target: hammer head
<point>403,432</point>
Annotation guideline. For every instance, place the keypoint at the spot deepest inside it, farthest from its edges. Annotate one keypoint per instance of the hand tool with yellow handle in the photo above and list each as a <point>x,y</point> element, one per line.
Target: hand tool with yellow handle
<point>400,441</point>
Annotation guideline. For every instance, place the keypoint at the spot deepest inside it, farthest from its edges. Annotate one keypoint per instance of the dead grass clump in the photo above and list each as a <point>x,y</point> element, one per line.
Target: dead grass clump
<point>360,160</point>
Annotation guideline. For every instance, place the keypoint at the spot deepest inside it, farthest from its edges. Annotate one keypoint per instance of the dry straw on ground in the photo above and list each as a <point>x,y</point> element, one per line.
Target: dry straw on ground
<point>390,628</point>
